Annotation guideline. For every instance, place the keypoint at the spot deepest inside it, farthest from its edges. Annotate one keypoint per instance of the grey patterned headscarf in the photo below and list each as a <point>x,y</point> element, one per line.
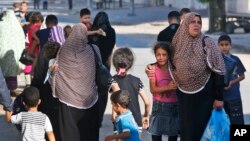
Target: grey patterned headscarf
<point>74,82</point>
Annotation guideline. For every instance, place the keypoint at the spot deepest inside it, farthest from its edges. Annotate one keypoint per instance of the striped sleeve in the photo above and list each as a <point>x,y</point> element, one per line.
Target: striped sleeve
<point>48,126</point>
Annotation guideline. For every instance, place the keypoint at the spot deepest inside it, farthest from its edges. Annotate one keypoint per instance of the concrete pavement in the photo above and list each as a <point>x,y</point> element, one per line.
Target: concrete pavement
<point>139,32</point>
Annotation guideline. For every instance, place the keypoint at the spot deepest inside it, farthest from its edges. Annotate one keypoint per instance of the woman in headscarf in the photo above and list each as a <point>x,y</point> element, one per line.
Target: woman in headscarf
<point>75,87</point>
<point>12,43</point>
<point>195,67</point>
<point>106,45</point>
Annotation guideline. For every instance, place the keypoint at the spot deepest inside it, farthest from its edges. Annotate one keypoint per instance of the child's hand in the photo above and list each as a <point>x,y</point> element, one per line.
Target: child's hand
<point>229,86</point>
<point>101,32</point>
<point>172,85</point>
<point>8,116</point>
<point>108,138</point>
<point>145,122</point>
<point>113,117</point>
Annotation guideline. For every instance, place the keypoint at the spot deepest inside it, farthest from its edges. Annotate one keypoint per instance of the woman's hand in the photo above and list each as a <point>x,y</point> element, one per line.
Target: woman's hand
<point>149,70</point>
<point>53,68</point>
<point>218,105</point>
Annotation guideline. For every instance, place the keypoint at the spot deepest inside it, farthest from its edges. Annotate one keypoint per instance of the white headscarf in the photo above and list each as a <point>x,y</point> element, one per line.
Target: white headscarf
<point>12,43</point>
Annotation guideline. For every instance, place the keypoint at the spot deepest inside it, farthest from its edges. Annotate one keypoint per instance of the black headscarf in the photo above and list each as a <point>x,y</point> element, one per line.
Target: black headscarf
<point>105,43</point>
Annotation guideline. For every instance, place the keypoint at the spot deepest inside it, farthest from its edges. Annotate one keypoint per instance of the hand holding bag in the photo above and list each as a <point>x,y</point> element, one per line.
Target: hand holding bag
<point>218,127</point>
<point>102,74</point>
<point>26,58</point>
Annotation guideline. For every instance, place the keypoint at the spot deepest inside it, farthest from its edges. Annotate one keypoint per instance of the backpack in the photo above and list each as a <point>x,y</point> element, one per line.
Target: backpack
<point>230,65</point>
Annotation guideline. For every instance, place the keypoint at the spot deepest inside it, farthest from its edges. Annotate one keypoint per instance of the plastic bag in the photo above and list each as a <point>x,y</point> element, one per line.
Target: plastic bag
<point>218,127</point>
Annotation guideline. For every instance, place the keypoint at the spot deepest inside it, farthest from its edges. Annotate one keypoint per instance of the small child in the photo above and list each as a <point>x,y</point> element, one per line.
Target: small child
<point>123,60</point>
<point>35,20</point>
<point>34,124</point>
<point>16,8</point>
<point>232,96</point>
<point>125,123</point>
<point>165,117</point>
<point>51,49</point>
<point>85,19</point>
<point>67,30</point>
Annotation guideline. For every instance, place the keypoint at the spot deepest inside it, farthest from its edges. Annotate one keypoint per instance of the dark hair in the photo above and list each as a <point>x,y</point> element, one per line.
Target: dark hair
<point>101,20</point>
<point>36,17</point>
<point>31,96</point>
<point>123,58</point>
<point>184,11</point>
<point>85,11</point>
<point>24,2</point>
<point>28,15</point>
<point>67,30</point>
<point>121,97</point>
<point>50,49</point>
<point>16,4</point>
<point>165,46</point>
<point>224,38</point>
<point>174,14</point>
<point>51,19</point>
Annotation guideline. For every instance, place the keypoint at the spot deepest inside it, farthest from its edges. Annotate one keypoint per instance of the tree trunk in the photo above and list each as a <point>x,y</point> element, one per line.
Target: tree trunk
<point>221,6</point>
<point>217,16</point>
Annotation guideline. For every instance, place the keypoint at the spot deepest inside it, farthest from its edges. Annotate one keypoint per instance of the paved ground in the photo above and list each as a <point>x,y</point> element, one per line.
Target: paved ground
<point>139,32</point>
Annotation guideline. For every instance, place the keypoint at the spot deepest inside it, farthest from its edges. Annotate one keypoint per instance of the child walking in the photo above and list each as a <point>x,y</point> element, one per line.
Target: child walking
<point>123,60</point>
<point>34,124</point>
<point>35,20</point>
<point>125,123</point>
<point>164,118</point>
<point>231,95</point>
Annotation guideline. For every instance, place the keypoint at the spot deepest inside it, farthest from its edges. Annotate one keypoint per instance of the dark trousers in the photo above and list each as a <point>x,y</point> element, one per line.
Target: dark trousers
<point>79,124</point>
<point>102,100</point>
<point>49,106</point>
<point>36,4</point>
<point>195,112</point>
<point>235,112</point>
<point>70,4</point>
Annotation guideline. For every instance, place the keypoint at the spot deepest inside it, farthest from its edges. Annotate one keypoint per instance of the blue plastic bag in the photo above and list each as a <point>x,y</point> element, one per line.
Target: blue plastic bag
<point>218,127</point>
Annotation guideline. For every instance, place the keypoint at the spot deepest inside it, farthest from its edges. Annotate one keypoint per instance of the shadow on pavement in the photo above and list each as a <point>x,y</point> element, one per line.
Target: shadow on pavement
<point>8,132</point>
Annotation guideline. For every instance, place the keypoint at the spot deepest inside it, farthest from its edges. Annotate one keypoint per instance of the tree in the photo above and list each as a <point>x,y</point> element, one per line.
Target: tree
<point>217,15</point>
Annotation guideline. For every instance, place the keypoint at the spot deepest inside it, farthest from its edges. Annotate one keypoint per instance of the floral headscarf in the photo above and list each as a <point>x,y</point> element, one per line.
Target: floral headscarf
<point>194,62</point>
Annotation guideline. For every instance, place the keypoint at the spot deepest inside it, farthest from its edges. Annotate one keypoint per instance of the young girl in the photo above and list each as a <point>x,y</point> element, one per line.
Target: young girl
<point>123,60</point>
<point>164,119</point>
<point>36,20</point>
